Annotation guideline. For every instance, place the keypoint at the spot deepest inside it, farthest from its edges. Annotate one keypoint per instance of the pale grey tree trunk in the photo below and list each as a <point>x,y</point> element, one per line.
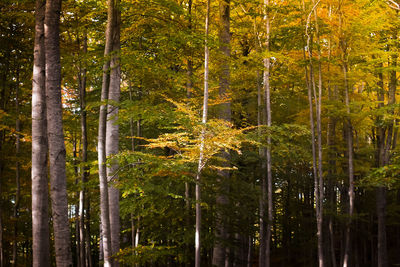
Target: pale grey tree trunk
<point>112,133</point>
<point>58,181</point>
<point>40,199</point>
<point>105,232</point>
<point>201,154</point>
<point>220,251</point>
<point>318,100</point>
<point>267,104</point>
<point>83,234</point>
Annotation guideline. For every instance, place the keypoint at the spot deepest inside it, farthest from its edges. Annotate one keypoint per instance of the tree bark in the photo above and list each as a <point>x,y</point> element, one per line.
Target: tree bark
<point>112,133</point>
<point>40,208</point>
<point>202,137</point>
<point>58,180</point>
<point>104,197</point>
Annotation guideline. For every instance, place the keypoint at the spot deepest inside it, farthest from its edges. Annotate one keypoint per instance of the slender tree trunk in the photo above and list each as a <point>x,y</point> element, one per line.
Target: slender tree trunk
<point>112,133</point>
<point>263,184</point>
<point>77,206</point>
<point>58,179</point>
<point>317,172</point>
<point>250,252</point>
<point>189,89</point>
<point>40,208</point>
<point>84,169</point>
<point>220,253</point>
<point>266,81</point>
<point>17,175</point>
<point>331,141</point>
<point>202,141</point>
<point>318,100</point>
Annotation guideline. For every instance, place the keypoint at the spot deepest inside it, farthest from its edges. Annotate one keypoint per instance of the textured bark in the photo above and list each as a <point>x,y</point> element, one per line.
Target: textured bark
<point>58,183</point>
<point>112,133</point>
<point>220,255</point>
<point>40,208</point>
<point>201,153</point>
<point>104,198</point>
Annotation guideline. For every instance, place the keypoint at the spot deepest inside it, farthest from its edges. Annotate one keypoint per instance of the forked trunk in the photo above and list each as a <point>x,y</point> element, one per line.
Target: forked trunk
<point>104,198</point>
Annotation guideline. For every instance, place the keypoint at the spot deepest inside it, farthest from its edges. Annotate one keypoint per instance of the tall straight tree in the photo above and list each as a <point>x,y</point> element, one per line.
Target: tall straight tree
<point>104,197</point>
<point>112,131</point>
<point>317,171</point>
<point>267,115</point>
<point>83,201</point>
<point>40,208</point>
<point>202,144</point>
<point>220,253</point>
<point>319,191</point>
<point>57,153</point>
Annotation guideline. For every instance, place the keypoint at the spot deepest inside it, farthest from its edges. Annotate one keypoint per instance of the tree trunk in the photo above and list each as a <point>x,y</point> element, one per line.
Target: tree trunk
<point>202,137</point>
<point>263,182</point>
<point>220,255</point>
<point>58,181</point>
<point>266,80</point>
<point>318,99</point>
<point>40,208</point>
<point>17,174</point>
<point>317,172</point>
<point>104,198</point>
<point>84,170</point>
<point>112,133</point>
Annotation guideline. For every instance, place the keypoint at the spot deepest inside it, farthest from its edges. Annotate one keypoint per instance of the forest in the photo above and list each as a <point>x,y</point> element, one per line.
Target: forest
<point>228,133</point>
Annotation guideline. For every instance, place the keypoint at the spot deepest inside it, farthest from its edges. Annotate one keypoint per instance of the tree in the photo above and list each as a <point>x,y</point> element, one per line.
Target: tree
<point>102,136</point>
<point>57,153</point>
<point>112,130</point>
<point>40,209</point>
